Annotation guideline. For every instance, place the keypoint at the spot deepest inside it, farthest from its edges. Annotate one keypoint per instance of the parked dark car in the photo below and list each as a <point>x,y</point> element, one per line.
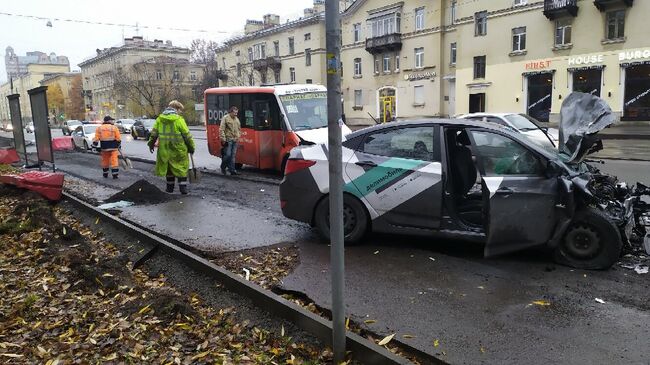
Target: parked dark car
<point>478,181</point>
<point>142,128</point>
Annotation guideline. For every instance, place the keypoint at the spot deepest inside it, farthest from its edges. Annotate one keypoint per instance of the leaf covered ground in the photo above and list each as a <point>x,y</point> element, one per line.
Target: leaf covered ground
<point>68,296</point>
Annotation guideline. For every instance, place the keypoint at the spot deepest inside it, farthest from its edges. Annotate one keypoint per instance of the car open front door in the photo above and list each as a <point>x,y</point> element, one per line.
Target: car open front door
<point>519,199</point>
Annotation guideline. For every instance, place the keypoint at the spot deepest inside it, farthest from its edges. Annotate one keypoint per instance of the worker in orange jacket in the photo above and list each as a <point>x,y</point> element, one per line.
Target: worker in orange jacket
<point>110,141</point>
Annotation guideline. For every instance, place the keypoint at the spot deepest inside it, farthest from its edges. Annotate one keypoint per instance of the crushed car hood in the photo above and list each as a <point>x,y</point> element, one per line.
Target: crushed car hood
<point>582,116</point>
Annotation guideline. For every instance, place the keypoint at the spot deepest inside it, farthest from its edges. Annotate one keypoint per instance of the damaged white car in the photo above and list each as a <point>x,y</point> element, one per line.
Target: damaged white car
<point>478,181</point>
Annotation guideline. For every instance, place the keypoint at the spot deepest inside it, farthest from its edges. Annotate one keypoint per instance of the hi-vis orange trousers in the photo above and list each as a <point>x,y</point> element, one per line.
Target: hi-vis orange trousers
<point>109,159</point>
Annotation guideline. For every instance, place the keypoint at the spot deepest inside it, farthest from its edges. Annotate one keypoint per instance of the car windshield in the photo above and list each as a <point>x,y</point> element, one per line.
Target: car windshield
<point>306,111</point>
<point>90,129</point>
<point>521,122</point>
<point>74,122</point>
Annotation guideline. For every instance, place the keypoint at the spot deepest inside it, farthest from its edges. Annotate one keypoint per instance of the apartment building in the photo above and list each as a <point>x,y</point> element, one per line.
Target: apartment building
<point>138,78</point>
<point>525,56</point>
<point>398,60</point>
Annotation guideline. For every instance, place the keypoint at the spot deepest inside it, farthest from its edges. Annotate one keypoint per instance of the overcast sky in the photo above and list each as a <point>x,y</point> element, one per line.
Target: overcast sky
<point>79,41</point>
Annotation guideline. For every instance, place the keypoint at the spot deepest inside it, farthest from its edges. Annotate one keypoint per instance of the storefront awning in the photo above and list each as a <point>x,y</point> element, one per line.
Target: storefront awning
<point>630,64</point>
<point>584,68</point>
<point>541,72</point>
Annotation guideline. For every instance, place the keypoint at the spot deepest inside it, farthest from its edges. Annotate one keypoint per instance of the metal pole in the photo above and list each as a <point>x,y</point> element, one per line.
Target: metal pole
<point>334,112</point>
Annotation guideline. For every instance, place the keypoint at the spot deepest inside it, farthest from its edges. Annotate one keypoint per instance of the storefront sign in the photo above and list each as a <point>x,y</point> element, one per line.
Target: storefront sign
<point>586,60</point>
<point>538,65</point>
<point>420,76</point>
<point>634,55</point>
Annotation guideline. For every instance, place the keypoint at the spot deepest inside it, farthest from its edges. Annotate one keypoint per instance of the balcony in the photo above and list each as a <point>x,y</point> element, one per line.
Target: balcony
<point>222,75</point>
<point>554,9</point>
<point>388,42</point>
<point>603,5</point>
<point>268,62</point>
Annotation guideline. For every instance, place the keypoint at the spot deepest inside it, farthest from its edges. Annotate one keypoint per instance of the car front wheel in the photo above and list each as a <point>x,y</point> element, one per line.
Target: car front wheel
<point>86,146</point>
<point>355,219</point>
<point>592,241</point>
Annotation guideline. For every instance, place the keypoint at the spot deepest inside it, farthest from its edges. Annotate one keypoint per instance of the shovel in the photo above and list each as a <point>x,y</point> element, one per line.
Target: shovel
<point>125,161</point>
<point>195,175</point>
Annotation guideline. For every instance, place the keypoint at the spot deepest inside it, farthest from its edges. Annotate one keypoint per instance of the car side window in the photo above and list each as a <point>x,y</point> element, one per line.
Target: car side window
<point>415,143</point>
<point>500,155</point>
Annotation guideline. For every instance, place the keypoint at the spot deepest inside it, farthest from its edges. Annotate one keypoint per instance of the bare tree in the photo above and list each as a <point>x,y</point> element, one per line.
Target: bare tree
<point>205,53</point>
<point>148,86</point>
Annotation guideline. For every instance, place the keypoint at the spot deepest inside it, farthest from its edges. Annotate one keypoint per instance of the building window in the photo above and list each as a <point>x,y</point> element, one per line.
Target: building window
<point>192,75</point>
<point>419,57</point>
<point>292,49</point>
<point>237,53</point>
<point>292,74</point>
<point>358,98</point>
<point>250,54</point>
<point>307,36</point>
<point>357,67</point>
<point>356,29</point>
<point>276,75</point>
<point>519,39</point>
<point>276,48</point>
<point>419,19</point>
<point>309,81</point>
<point>452,54</point>
<point>176,76</point>
<point>616,24</point>
<point>418,95</point>
<point>562,32</point>
<point>308,57</point>
<point>480,23</point>
<point>386,63</point>
<point>453,12</point>
<point>158,75</point>
<point>263,77</point>
<point>396,63</point>
<point>239,70</point>
<point>259,51</point>
<point>376,64</point>
<point>387,24</point>
<point>479,67</point>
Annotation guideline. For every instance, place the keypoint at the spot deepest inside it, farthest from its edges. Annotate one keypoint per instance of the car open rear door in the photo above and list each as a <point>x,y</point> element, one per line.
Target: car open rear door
<point>519,199</point>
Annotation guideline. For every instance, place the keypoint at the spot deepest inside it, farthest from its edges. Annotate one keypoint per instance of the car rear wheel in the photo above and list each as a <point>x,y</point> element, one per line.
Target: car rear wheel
<point>355,219</point>
<point>592,241</point>
<point>86,146</point>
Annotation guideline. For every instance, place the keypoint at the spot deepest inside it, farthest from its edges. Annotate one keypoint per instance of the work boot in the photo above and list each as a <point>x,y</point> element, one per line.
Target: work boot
<point>223,170</point>
<point>182,185</point>
<point>170,184</point>
<point>105,173</point>
<point>115,172</point>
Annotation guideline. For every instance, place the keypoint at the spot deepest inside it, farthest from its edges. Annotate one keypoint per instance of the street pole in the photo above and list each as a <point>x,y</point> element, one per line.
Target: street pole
<point>334,112</point>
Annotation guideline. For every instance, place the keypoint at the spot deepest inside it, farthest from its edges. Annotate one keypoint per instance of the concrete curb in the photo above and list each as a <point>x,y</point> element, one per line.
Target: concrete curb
<point>361,348</point>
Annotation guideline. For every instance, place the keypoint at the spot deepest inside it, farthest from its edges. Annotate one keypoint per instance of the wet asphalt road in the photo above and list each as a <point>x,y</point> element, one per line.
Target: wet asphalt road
<point>479,310</point>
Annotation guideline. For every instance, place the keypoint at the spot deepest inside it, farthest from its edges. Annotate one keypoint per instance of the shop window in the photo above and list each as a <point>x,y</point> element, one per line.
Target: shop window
<point>419,19</point>
<point>357,67</point>
<point>562,32</point>
<point>616,24</point>
<point>386,63</point>
<point>292,74</point>
<point>519,39</point>
<point>308,57</point>
<point>418,95</point>
<point>292,48</point>
<point>479,67</point>
<point>358,98</point>
<point>587,81</point>
<point>452,54</point>
<point>480,23</point>
<point>419,57</point>
<point>356,28</point>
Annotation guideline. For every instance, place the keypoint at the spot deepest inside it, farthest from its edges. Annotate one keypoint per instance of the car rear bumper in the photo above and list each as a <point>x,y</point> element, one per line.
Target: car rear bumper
<point>299,195</point>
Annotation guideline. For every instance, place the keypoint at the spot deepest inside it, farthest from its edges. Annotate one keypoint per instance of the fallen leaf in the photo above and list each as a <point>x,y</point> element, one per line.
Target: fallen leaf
<point>386,340</point>
<point>369,321</point>
<point>408,336</point>
<point>282,331</point>
<point>97,222</point>
<point>482,350</point>
<point>436,343</point>
<point>376,252</point>
<point>13,355</point>
<point>347,323</point>
<point>201,355</point>
<point>541,302</point>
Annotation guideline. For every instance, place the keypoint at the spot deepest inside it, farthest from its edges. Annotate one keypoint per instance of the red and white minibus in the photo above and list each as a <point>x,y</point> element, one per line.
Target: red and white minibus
<point>274,119</point>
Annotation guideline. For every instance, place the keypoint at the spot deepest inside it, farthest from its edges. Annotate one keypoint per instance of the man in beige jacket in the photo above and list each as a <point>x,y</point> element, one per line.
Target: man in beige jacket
<point>229,133</point>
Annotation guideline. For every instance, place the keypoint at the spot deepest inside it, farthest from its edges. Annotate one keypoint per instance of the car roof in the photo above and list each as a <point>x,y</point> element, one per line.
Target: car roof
<point>456,122</point>
<point>501,115</point>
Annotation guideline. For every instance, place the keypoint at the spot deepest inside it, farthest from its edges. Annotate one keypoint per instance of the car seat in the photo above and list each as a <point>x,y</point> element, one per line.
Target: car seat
<point>464,176</point>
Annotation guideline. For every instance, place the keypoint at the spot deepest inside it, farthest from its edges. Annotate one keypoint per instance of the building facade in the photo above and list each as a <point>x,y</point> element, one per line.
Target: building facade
<point>17,65</point>
<point>21,84</point>
<point>138,78</point>
<point>525,56</point>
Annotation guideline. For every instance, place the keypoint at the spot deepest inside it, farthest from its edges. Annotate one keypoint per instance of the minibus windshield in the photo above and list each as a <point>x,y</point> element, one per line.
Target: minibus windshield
<point>306,111</point>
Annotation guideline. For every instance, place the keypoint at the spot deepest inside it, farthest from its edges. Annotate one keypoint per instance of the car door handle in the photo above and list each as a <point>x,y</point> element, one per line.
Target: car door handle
<point>504,191</point>
<point>366,163</point>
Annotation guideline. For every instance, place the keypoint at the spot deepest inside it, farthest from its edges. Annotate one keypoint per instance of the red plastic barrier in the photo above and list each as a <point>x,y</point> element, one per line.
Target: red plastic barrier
<point>62,144</point>
<point>8,155</point>
<point>48,184</point>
